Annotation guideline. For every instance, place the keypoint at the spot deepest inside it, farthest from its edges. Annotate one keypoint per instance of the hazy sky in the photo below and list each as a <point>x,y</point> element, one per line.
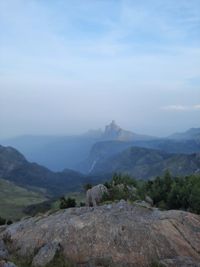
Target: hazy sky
<point>66,66</point>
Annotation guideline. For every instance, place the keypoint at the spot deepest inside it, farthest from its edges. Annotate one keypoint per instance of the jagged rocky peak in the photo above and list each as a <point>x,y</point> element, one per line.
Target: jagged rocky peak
<point>114,131</point>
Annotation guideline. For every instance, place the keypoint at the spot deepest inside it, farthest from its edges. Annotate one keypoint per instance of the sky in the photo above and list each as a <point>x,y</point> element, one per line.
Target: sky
<point>69,66</point>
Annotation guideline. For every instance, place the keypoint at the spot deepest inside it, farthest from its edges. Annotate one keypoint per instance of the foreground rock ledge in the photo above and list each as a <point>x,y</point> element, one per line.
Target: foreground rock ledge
<point>111,235</point>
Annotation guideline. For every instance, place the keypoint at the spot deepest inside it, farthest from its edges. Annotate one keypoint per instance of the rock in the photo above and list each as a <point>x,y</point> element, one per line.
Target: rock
<point>143,203</point>
<point>125,235</point>
<point>180,262</point>
<point>122,204</point>
<point>46,254</point>
<point>95,194</point>
<point>7,264</point>
<point>149,200</point>
<point>3,251</point>
<point>2,228</point>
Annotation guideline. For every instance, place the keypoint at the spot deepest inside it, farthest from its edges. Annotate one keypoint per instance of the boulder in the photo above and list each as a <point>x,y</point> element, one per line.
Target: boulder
<point>46,254</point>
<point>95,195</point>
<point>180,262</point>
<point>149,200</point>
<point>121,235</point>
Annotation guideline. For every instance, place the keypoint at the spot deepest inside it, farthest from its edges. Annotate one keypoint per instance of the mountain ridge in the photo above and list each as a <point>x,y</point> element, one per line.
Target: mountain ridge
<point>60,152</point>
<point>144,163</point>
<point>15,168</point>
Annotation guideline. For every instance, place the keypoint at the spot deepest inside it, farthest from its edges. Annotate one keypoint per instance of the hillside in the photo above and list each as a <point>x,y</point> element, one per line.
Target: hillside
<point>191,134</point>
<point>54,152</point>
<point>112,235</point>
<point>13,199</point>
<point>14,167</point>
<point>171,145</point>
<point>102,151</point>
<point>148,163</point>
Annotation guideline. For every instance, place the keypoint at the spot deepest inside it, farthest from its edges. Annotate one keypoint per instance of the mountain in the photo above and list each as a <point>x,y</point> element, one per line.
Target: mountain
<point>101,151</point>
<point>115,235</point>
<point>115,132</point>
<point>191,134</point>
<point>14,167</point>
<point>144,163</point>
<point>60,152</point>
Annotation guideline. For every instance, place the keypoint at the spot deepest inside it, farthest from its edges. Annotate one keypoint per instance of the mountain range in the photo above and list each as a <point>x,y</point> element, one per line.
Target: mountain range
<point>94,156</point>
<point>59,152</point>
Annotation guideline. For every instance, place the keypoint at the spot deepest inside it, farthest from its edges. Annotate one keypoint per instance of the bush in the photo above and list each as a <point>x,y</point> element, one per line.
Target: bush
<point>67,203</point>
<point>119,178</point>
<point>2,221</point>
<point>167,192</point>
<point>120,187</point>
<point>9,222</point>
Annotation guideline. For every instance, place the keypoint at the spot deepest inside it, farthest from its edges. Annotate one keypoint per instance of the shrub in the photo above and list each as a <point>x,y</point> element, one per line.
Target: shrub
<point>2,221</point>
<point>9,222</point>
<point>67,203</point>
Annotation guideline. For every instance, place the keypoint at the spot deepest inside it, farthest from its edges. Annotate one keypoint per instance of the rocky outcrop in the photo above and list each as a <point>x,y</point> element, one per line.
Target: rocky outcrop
<point>114,235</point>
<point>115,132</point>
<point>46,254</point>
<point>149,200</point>
<point>95,194</point>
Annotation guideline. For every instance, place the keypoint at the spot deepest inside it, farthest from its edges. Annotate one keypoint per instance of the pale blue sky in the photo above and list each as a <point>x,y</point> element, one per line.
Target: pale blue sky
<point>66,66</point>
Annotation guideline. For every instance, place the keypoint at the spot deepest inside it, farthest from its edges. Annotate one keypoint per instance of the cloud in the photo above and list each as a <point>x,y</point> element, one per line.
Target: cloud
<point>181,107</point>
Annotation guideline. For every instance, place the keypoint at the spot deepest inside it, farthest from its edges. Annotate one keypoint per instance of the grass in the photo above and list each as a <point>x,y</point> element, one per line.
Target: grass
<point>13,199</point>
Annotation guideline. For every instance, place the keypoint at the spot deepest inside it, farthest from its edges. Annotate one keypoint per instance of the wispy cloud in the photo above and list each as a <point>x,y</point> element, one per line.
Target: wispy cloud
<point>181,107</point>
<point>141,54</point>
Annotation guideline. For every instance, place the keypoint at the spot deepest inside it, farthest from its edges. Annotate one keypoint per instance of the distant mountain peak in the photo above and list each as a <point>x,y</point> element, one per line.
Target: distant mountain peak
<point>112,129</point>
<point>115,132</point>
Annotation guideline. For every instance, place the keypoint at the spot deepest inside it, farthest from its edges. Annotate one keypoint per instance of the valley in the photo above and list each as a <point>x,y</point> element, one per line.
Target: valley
<point>27,184</point>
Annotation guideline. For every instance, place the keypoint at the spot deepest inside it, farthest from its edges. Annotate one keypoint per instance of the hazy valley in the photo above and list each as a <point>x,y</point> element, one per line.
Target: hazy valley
<point>142,177</point>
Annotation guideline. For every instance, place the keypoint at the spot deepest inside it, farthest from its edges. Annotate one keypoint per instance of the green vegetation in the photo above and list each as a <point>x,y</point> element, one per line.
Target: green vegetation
<point>2,221</point>
<point>175,193</point>
<point>167,192</point>
<point>13,200</point>
<point>121,187</point>
<point>87,186</point>
<point>78,196</point>
<point>67,203</point>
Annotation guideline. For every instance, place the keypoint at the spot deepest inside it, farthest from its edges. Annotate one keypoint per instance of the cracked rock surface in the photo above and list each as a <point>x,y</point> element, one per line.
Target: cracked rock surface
<point>118,234</point>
